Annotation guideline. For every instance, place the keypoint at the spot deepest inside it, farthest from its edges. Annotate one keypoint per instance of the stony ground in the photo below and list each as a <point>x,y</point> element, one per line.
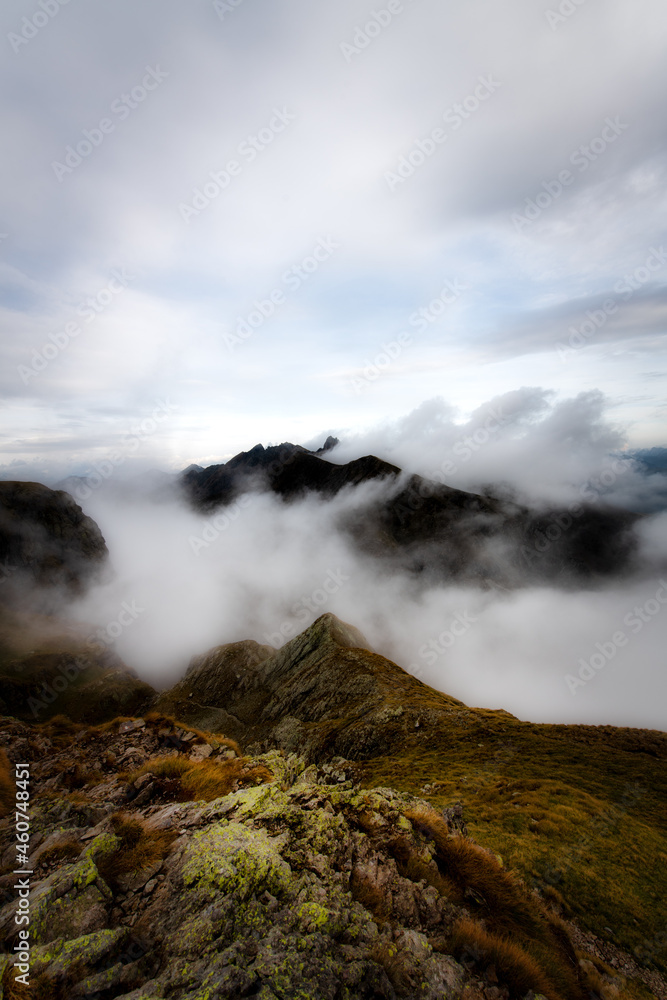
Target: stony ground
<point>292,885</point>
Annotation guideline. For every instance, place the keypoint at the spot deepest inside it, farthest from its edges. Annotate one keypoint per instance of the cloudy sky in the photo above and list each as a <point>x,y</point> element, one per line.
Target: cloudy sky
<point>268,221</point>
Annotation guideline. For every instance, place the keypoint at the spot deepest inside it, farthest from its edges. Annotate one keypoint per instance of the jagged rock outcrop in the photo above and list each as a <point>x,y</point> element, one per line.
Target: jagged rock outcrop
<point>287,469</point>
<point>46,540</point>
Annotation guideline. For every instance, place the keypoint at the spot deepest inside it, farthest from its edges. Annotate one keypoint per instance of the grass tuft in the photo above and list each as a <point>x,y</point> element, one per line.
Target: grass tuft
<point>473,945</point>
<point>499,892</point>
<point>67,849</point>
<point>205,779</point>
<point>137,848</point>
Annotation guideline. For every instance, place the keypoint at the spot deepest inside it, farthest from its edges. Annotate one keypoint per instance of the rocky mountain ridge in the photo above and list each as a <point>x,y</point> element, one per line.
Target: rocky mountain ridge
<point>430,529</point>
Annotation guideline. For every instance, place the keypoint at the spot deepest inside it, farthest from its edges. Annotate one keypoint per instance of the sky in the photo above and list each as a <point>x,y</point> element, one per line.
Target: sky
<point>231,222</point>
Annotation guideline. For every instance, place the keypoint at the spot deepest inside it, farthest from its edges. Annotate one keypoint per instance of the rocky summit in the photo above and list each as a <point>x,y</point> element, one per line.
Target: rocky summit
<point>313,823</point>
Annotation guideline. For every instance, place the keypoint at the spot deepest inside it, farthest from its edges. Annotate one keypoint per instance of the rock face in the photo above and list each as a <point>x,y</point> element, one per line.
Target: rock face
<point>428,528</point>
<point>46,539</point>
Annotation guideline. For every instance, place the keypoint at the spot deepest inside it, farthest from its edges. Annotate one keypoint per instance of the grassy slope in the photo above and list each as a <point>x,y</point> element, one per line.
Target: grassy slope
<point>578,808</point>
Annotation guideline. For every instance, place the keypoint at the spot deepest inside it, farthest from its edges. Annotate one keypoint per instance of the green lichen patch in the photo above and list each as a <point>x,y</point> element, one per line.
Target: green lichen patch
<point>59,955</point>
<point>230,858</point>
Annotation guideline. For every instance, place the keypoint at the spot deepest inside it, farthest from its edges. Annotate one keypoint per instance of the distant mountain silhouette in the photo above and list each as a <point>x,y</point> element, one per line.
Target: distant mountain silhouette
<point>427,527</point>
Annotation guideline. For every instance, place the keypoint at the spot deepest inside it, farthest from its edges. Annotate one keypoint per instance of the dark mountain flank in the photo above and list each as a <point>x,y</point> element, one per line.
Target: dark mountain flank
<point>46,539</point>
<point>431,529</point>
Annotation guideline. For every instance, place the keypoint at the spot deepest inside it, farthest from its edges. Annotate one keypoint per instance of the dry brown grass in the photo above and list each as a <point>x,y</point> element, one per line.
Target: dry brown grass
<point>138,847</point>
<point>7,790</point>
<point>67,849</point>
<point>518,925</point>
<point>205,779</point>
<point>11,990</point>
<point>59,730</point>
<point>501,894</point>
<point>515,968</point>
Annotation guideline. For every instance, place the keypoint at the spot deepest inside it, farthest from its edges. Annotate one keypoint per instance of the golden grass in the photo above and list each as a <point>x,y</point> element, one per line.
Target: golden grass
<point>11,990</point>
<point>514,966</point>
<point>7,789</point>
<point>206,779</point>
<point>581,809</point>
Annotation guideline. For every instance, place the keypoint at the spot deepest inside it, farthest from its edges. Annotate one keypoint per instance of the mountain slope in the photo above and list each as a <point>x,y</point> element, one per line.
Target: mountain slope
<point>579,810</point>
<point>46,539</point>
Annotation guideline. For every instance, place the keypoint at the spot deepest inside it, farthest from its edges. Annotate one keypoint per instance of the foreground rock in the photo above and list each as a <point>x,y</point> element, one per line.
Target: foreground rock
<point>295,882</point>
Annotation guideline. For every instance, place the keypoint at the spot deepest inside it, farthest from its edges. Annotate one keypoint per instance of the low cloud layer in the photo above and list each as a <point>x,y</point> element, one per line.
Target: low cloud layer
<point>263,569</point>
